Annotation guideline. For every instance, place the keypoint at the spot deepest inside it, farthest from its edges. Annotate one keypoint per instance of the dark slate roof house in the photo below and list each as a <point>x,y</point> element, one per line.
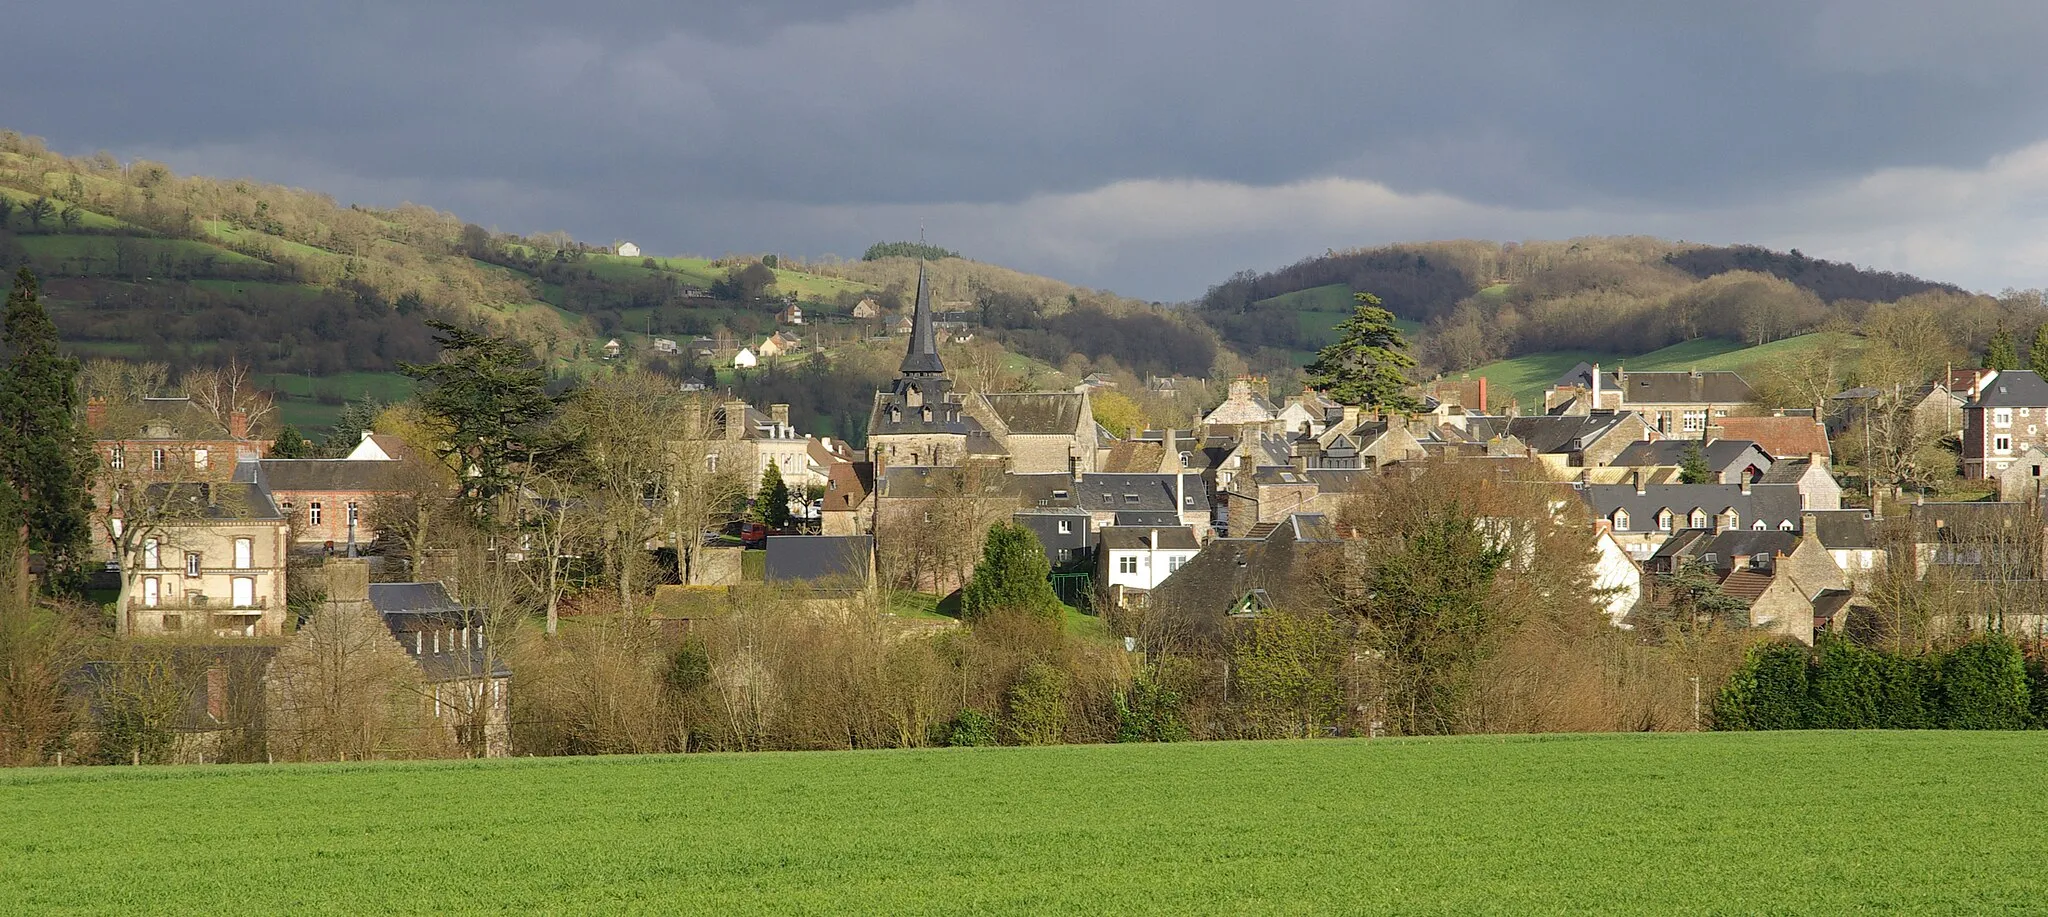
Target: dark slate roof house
<point>1770,506</point>
<point>1731,460</point>
<point>821,559</point>
<point>443,636</point>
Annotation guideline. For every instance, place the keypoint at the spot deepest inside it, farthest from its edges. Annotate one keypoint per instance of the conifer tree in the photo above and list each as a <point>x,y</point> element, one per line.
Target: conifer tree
<point>289,444</point>
<point>1013,575</point>
<point>2037,355</point>
<point>2003,352</point>
<point>44,454</point>
<point>1368,364</point>
<point>1693,467</point>
<point>491,399</point>
<point>771,503</point>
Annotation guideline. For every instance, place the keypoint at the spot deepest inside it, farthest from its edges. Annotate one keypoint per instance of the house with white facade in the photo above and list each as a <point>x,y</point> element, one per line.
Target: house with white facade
<point>628,250</point>
<point>745,359</point>
<point>1134,558</point>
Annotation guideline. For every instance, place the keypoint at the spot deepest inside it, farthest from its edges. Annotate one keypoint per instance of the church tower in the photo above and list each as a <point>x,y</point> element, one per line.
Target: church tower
<point>917,421</point>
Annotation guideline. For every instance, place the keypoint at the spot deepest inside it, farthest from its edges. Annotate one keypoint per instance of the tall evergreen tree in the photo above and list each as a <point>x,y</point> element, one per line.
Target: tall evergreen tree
<point>1013,575</point>
<point>491,400</point>
<point>1693,467</point>
<point>289,444</point>
<point>45,457</point>
<point>2003,351</point>
<point>771,503</point>
<point>1368,364</point>
<point>2037,355</point>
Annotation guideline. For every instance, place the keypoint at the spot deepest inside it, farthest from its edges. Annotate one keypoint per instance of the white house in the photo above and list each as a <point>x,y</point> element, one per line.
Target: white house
<point>612,348</point>
<point>664,345</point>
<point>628,250</point>
<point>745,359</point>
<point>1140,557</point>
<point>1618,577</point>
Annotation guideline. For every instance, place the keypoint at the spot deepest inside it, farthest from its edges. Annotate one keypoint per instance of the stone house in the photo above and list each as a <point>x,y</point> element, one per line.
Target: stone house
<point>1818,489</point>
<point>2008,417</point>
<point>1564,443</point>
<point>847,489</point>
<point>791,314</point>
<point>2023,479</point>
<point>1242,404</point>
<point>1780,435</point>
<point>1731,461</point>
<point>1679,404</point>
<point>1271,494</point>
<point>211,563</point>
<point>1238,578</point>
<point>169,437</point>
<point>748,441</point>
<point>867,309</point>
<point>1643,516</point>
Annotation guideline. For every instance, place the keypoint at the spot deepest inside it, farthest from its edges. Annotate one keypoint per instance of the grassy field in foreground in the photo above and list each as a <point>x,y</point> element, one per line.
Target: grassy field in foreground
<point>1809,823</point>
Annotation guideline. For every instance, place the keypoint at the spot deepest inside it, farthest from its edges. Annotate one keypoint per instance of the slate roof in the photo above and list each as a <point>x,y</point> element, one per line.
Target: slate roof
<point>1713,387</point>
<point>1722,455</point>
<point>1037,413</point>
<point>1845,529</point>
<point>1772,503</point>
<point>946,418</point>
<point>317,475</point>
<point>1779,437</point>
<point>426,607</point>
<point>224,500</point>
<point>816,558</point>
<point>1125,493</point>
<point>2015,388</point>
<point>922,356</point>
<point>1548,434</point>
<point>1147,518</point>
<point>1192,605</point>
<point>1139,538</point>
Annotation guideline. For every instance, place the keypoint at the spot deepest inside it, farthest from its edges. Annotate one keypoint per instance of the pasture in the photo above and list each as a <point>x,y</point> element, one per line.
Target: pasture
<point>1811,823</point>
<point>1527,376</point>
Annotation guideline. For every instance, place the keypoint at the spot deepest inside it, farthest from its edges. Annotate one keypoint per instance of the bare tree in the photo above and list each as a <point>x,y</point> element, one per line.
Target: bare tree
<point>228,391</point>
<point>343,688</point>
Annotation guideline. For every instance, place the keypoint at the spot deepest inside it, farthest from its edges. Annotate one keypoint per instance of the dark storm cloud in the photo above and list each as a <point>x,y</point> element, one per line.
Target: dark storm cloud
<point>821,126</point>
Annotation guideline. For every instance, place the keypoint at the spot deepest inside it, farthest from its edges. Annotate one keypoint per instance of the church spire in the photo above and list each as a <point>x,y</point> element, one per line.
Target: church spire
<point>923,356</point>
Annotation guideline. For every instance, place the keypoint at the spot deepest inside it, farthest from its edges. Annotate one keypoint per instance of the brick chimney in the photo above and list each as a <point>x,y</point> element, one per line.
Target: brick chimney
<point>238,424</point>
<point>1482,394</point>
<point>95,413</point>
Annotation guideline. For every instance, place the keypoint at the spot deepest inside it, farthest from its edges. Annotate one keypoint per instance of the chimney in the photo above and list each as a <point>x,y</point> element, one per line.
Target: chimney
<point>1074,467</point>
<point>1482,394</point>
<point>1809,524</point>
<point>348,581</point>
<point>1350,416</point>
<point>1636,478</point>
<point>1596,388</point>
<point>238,424</point>
<point>779,413</point>
<point>735,421</point>
<point>95,413</point>
<point>1818,459</point>
<point>1745,483</point>
<point>367,434</point>
<point>1298,461</point>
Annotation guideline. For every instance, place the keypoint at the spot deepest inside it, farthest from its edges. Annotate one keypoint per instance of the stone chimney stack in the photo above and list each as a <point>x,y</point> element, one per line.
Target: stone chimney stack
<point>1596,388</point>
<point>735,421</point>
<point>779,413</point>
<point>1636,478</point>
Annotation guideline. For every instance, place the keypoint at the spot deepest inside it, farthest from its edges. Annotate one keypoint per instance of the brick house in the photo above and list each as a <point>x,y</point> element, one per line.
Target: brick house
<point>329,500</point>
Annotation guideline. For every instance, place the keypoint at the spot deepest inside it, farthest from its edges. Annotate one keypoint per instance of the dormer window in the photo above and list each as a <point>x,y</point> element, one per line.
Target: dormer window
<point>1784,526</point>
<point>912,397</point>
<point>927,413</point>
<point>1620,520</point>
<point>1666,520</point>
<point>1698,519</point>
<point>1758,525</point>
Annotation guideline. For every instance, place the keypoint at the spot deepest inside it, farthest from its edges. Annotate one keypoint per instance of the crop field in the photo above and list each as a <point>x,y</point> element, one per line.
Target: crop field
<point>1810,823</point>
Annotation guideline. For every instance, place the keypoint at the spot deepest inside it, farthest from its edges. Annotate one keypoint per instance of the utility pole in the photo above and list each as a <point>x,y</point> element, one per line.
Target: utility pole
<point>1695,703</point>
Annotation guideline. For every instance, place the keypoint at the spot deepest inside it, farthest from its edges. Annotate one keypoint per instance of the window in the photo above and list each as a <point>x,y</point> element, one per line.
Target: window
<point>2001,417</point>
<point>192,563</point>
<point>1130,499</point>
<point>1621,520</point>
<point>353,516</point>
<point>152,592</point>
<point>1173,564</point>
<point>1734,519</point>
<point>151,554</point>
<point>711,463</point>
<point>1757,525</point>
<point>1066,528</point>
<point>199,459</point>
<point>156,459</point>
<point>245,553</point>
<point>1784,526</point>
<point>1127,564</point>
<point>313,513</point>
<point>117,458</point>
<point>1665,520</point>
<point>1065,555</point>
<point>1694,421</point>
<point>1698,519</point>
<point>245,592</point>
<point>2001,443</point>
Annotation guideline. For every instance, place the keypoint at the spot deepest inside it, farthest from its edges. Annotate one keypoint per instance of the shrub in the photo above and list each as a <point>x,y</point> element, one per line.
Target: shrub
<point>1149,712</point>
<point>1038,706</point>
<point>1847,686</point>
<point>1768,692</point>
<point>1906,692</point>
<point>1984,685</point>
<point>972,728</point>
<point>2037,680</point>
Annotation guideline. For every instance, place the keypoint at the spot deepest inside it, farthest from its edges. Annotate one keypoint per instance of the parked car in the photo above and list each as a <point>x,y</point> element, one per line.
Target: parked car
<point>753,534</point>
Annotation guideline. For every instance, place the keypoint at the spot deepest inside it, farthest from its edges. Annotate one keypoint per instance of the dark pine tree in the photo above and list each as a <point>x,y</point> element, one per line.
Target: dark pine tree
<point>771,504</point>
<point>2003,352</point>
<point>1368,364</point>
<point>45,456</point>
<point>289,444</point>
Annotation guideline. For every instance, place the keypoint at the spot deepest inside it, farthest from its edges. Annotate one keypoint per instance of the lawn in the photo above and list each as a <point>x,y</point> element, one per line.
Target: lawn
<point>1318,310</point>
<point>1527,376</point>
<point>1809,823</point>
<point>51,249</point>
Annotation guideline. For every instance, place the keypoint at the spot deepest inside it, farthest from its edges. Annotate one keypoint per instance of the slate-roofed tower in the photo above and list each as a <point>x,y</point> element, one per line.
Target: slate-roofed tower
<point>922,360</point>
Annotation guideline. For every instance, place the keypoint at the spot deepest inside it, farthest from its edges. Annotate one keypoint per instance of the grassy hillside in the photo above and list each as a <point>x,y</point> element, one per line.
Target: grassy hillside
<point>1811,823</point>
<point>1525,377</point>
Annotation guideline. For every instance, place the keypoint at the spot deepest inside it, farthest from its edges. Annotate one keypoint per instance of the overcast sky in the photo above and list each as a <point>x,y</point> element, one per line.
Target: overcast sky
<point>1150,148</point>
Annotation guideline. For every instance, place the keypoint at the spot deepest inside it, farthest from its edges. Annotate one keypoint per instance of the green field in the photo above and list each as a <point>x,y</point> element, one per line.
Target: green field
<point>1808,823</point>
<point>1527,376</point>
<point>1319,310</point>
<point>102,248</point>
